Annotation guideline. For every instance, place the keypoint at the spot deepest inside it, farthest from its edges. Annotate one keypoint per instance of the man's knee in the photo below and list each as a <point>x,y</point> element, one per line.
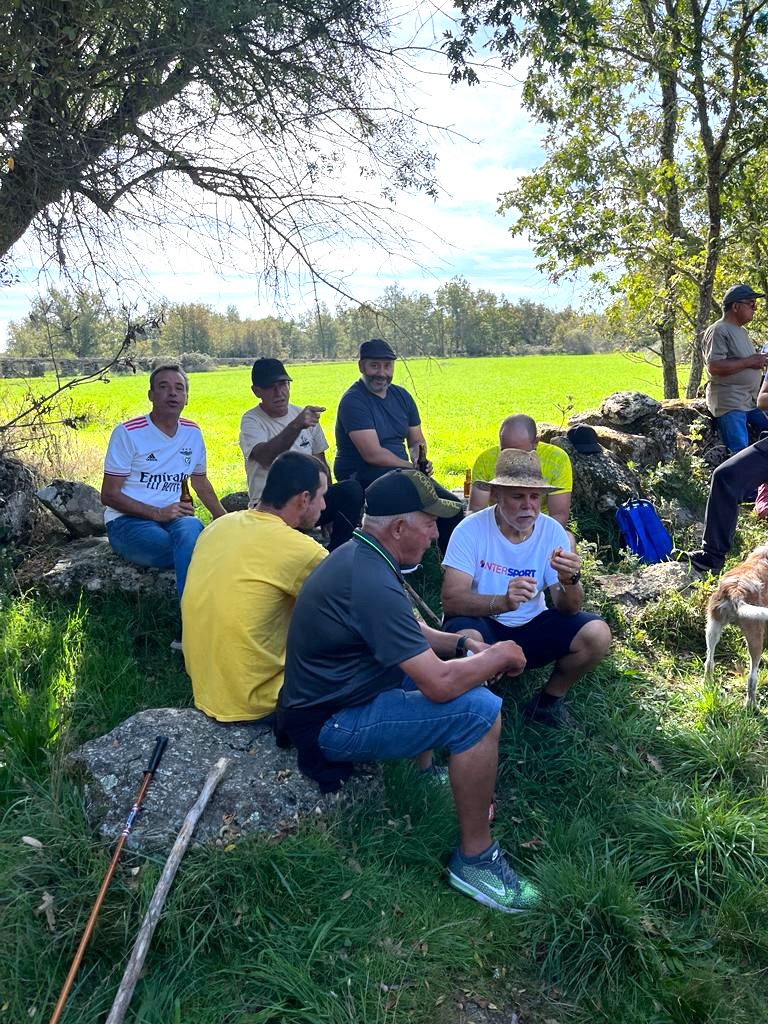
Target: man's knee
<point>593,638</point>
<point>482,703</point>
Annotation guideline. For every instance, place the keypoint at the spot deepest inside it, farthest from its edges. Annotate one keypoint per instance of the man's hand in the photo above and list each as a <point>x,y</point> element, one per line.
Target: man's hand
<point>566,564</point>
<point>476,646</point>
<point>428,469</point>
<point>506,658</point>
<point>520,590</point>
<point>174,511</point>
<point>309,416</point>
<point>758,361</point>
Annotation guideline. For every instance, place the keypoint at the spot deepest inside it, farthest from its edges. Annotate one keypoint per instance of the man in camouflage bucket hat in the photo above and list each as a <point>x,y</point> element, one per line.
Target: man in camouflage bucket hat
<point>365,681</point>
<point>498,563</point>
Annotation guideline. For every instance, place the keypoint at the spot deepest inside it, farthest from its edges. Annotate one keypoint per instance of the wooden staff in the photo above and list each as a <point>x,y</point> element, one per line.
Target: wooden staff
<point>160,745</point>
<point>422,605</point>
<point>152,916</point>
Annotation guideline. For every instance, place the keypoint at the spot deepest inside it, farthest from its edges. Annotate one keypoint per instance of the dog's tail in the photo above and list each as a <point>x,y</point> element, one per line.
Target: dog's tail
<point>753,612</point>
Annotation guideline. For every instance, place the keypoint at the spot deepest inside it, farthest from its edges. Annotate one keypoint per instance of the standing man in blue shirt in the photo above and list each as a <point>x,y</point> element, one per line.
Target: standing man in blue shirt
<point>378,427</point>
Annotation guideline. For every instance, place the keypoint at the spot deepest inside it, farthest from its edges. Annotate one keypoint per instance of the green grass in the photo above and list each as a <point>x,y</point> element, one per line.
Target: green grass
<point>462,402</point>
<point>648,835</point>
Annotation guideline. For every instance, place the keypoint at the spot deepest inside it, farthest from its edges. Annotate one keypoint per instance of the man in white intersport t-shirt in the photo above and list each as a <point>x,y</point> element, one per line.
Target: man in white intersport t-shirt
<point>147,460</point>
<point>498,563</point>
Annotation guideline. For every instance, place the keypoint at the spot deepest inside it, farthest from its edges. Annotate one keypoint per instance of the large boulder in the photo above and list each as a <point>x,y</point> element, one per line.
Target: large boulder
<point>78,506</point>
<point>262,791</point>
<point>625,407</point>
<point>601,482</point>
<point>21,515</point>
<point>236,501</point>
<point>633,591</point>
<point>91,564</point>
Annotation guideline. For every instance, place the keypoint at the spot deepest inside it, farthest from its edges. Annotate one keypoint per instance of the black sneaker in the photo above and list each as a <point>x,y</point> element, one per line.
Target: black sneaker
<point>701,561</point>
<point>555,715</point>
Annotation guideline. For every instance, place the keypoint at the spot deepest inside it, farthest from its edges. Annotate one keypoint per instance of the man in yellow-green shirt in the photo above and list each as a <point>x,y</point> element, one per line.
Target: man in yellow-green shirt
<point>245,573</point>
<point>520,432</point>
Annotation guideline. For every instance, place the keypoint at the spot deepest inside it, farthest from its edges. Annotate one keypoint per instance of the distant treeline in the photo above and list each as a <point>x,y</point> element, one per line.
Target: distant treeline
<point>455,321</point>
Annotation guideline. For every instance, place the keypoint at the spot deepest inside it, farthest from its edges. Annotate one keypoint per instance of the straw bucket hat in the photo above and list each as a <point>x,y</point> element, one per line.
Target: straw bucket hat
<point>515,468</point>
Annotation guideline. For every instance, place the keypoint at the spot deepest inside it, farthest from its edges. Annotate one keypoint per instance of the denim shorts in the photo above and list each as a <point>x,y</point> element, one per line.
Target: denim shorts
<point>404,723</point>
<point>544,639</point>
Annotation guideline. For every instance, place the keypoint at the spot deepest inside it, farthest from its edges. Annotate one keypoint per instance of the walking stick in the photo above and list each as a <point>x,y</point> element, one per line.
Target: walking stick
<point>422,605</point>
<point>160,745</point>
<point>152,916</point>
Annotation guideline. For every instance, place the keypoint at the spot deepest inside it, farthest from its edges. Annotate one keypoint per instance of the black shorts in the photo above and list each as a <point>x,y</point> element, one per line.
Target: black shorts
<point>544,639</point>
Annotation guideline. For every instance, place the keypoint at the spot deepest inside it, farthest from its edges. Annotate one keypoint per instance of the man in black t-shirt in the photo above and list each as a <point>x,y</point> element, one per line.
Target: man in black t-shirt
<point>364,680</point>
<point>378,427</point>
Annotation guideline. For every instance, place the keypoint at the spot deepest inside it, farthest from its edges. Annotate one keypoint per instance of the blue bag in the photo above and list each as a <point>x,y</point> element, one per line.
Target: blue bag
<point>643,531</point>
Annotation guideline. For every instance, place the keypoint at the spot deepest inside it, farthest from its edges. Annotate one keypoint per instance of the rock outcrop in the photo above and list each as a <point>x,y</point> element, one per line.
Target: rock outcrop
<point>262,791</point>
<point>633,591</point>
<point>77,505</point>
<point>21,515</point>
<point>236,501</point>
<point>92,565</point>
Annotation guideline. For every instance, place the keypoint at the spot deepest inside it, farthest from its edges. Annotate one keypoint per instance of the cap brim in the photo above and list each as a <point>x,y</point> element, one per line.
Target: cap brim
<point>274,380</point>
<point>443,508</point>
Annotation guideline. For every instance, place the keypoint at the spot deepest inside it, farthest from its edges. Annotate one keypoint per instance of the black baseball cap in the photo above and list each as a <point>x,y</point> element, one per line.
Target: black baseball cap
<point>741,293</point>
<point>266,372</point>
<point>407,490</point>
<point>376,348</point>
<point>583,439</point>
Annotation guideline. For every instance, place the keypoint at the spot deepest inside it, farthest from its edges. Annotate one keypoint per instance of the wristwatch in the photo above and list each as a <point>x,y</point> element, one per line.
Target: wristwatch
<point>572,581</point>
<point>461,646</point>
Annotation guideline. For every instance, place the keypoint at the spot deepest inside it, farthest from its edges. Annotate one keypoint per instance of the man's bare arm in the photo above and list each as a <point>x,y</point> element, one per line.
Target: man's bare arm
<point>442,681</point>
<point>112,495</point>
<point>205,492</point>
<point>265,452</point>
<point>479,497</point>
<point>458,598</point>
<point>559,507</point>
<point>369,447</point>
<point>726,367</point>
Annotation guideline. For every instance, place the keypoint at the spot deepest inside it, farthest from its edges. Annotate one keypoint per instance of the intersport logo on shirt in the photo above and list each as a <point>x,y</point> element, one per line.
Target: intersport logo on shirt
<point>506,570</point>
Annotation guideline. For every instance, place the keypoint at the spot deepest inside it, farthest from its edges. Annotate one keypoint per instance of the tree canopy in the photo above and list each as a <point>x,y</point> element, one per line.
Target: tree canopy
<point>655,148</point>
<point>123,122</point>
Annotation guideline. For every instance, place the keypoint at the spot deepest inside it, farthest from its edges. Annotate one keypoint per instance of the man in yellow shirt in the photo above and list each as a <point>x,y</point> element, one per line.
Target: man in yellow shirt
<point>520,432</point>
<point>245,573</point>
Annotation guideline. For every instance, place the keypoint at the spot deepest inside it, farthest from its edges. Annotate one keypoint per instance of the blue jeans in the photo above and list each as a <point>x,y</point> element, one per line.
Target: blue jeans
<point>733,427</point>
<point>404,723</point>
<point>159,545</point>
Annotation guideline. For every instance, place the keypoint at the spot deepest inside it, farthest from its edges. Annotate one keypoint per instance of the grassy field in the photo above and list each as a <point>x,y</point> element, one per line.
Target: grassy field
<point>648,834</point>
<point>462,402</point>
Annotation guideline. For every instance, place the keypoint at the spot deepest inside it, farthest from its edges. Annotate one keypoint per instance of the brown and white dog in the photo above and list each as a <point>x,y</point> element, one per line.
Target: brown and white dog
<point>741,599</point>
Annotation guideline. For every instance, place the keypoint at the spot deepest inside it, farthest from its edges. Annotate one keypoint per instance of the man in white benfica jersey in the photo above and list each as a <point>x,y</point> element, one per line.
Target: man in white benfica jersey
<point>149,520</point>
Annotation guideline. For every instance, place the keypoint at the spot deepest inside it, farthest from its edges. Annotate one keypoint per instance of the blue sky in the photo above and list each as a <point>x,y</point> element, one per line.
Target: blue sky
<point>488,144</point>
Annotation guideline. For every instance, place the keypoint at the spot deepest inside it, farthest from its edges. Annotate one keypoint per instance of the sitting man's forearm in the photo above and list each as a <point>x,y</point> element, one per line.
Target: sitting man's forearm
<point>205,492</point>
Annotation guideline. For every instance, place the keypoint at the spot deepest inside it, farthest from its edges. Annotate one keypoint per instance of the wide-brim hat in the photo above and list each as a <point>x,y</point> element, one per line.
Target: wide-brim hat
<point>407,490</point>
<point>516,468</point>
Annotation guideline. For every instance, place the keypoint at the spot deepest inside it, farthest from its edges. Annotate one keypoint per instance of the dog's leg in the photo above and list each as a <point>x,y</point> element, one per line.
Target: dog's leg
<point>714,631</point>
<point>754,631</point>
